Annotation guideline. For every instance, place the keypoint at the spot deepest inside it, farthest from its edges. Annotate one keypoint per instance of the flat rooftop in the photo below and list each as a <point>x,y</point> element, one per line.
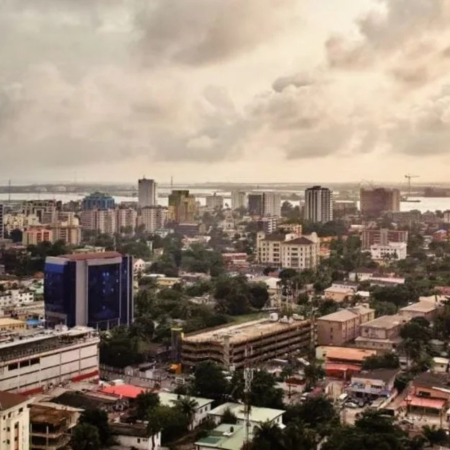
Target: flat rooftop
<point>424,307</point>
<point>385,322</point>
<point>47,415</point>
<point>93,255</point>
<point>243,332</point>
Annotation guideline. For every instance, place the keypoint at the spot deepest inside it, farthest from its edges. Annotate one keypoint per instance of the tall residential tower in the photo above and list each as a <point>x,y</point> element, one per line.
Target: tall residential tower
<point>318,204</point>
<point>147,193</point>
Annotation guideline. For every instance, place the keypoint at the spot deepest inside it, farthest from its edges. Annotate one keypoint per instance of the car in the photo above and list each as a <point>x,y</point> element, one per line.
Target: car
<point>351,405</point>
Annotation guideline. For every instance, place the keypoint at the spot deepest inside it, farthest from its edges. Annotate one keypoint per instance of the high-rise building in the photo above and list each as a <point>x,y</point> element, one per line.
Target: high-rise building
<point>91,289</point>
<point>36,235</point>
<point>45,210</point>
<point>238,200</point>
<point>181,207</point>
<point>382,236</point>
<point>318,204</point>
<point>153,218</point>
<point>103,221</point>
<point>255,204</point>
<point>126,218</point>
<point>374,202</point>
<point>2,222</point>
<point>271,204</point>
<point>98,200</point>
<point>214,201</point>
<point>147,195</point>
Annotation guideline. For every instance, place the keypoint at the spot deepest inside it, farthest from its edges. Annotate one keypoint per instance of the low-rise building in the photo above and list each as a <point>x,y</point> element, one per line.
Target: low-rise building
<point>225,436</point>
<point>338,294</point>
<point>440,365</point>
<point>8,324</point>
<point>373,384</point>
<point>342,326</point>
<point>268,338</point>
<point>382,333</point>
<point>427,310</point>
<point>14,421</point>
<point>135,436</point>
<point>361,274</point>
<point>16,297</point>
<point>345,285</point>
<point>394,251</point>
<point>257,415</point>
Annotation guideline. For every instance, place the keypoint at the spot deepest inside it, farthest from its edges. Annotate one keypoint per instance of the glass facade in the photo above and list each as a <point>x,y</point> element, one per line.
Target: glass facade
<point>98,200</point>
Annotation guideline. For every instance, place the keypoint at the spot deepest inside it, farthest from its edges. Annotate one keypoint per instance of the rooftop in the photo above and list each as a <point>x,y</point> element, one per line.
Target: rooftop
<point>83,400</point>
<point>344,290</point>
<point>423,306</point>
<point>300,241</point>
<point>48,415</point>
<point>225,436</point>
<point>9,400</point>
<point>123,390</point>
<point>128,429</point>
<point>95,255</point>
<point>275,237</point>
<point>347,354</point>
<point>378,374</point>
<point>6,321</point>
<point>243,332</point>
<point>339,316</point>
<point>432,380</point>
<point>385,322</point>
<point>257,414</point>
<point>169,398</point>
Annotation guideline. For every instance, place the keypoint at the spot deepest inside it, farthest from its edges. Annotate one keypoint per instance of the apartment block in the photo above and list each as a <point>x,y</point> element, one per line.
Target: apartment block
<point>255,342</point>
<point>147,193</point>
<point>181,207</point>
<point>45,210</point>
<point>382,236</point>
<point>36,235</point>
<point>318,204</point>
<point>425,309</point>
<point>374,202</point>
<point>126,218</point>
<point>238,200</point>
<point>382,333</point>
<point>153,218</point>
<point>288,250</point>
<point>343,326</point>
<point>394,251</point>
<point>214,201</point>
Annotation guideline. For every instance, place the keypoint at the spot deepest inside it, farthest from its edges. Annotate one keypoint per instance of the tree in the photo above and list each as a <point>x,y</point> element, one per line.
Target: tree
<point>314,372</point>
<point>188,407</point>
<point>98,419</point>
<point>85,437</point>
<point>259,295</point>
<point>170,421</point>
<point>228,417</point>
<point>232,295</point>
<point>145,402</point>
<point>267,436</point>
<point>384,361</point>
<point>434,435</point>
<point>209,381</point>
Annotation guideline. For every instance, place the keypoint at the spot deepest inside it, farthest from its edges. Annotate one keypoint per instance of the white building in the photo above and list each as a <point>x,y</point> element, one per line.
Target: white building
<point>138,266</point>
<point>257,417</point>
<point>238,200</point>
<point>147,193</point>
<point>288,251</point>
<point>16,297</point>
<point>19,221</point>
<point>394,251</point>
<point>318,204</point>
<point>271,204</point>
<point>153,218</point>
<point>214,201</point>
<point>135,436</point>
<point>14,421</point>
<point>33,362</point>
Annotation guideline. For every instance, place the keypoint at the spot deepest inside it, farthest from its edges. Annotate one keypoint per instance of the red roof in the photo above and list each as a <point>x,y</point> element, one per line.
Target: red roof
<point>124,390</point>
<point>432,403</point>
<point>342,367</point>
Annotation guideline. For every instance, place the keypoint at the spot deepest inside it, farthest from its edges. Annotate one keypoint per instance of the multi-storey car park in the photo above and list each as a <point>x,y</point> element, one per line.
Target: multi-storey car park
<point>251,342</point>
<point>33,361</point>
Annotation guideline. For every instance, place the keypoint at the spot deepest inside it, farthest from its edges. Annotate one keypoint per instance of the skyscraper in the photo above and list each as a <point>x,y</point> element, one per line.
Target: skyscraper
<point>147,193</point>
<point>318,204</point>
<point>2,224</point>
<point>238,200</point>
<point>255,204</point>
<point>376,201</point>
<point>181,207</point>
<point>91,289</point>
<point>98,200</point>
<point>271,204</point>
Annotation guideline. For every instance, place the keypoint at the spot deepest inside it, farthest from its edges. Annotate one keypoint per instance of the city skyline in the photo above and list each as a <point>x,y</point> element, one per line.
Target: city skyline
<point>131,89</point>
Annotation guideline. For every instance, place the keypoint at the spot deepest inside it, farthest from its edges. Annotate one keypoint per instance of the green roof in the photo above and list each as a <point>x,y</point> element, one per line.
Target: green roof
<point>169,398</point>
<point>258,415</point>
<point>225,436</point>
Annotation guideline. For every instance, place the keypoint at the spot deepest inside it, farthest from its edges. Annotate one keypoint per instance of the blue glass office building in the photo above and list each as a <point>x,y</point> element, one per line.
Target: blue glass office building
<point>94,289</point>
<point>98,200</point>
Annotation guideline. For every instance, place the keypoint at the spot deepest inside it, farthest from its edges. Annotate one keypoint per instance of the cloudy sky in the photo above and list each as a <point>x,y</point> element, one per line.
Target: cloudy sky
<point>224,90</point>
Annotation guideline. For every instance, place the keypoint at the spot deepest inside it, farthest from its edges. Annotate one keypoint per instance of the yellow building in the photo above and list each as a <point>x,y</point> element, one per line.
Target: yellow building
<point>8,324</point>
<point>181,207</point>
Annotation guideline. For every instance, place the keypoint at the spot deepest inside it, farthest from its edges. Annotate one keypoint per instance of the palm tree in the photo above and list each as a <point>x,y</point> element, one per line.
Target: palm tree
<point>268,435</point>
<point>154,425</point>
<point>188,407</point>
<point>313,373</point>
<point>434,435</point>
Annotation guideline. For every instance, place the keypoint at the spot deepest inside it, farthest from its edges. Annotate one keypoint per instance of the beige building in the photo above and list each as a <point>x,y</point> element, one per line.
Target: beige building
<point>338,294</point>
<point>126,218</point>
<point>153,218</point>
<point>342,326</point>
<point>36,235</point>
<point>262,340</point>
<point>14,421</point>
<point>103,221</point>
<point>382,333</point>
<point>424,309</point>
<point>288,250</point>
<point>181,207</point>
<point>8,324</point>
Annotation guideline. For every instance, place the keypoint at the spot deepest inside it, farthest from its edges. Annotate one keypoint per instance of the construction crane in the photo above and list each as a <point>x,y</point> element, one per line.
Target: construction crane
<point>410,177</point>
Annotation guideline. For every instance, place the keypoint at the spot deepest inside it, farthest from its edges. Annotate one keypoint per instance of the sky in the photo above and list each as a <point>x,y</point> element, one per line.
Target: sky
<point>214,90</point>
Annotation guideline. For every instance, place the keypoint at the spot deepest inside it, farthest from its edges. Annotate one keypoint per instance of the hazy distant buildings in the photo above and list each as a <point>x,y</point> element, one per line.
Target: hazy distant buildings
<point>318,204</point>
<point>147,195</point>
<point>271,204</point>
<point>376,201</point>
<point>2,222</point>
<point>98,200</point>
<point>238,200</point>
<point>153,218</point>
<point>92,289</point>
<point>255,204</point>
<point>181,207</point>
<point>214,201</point>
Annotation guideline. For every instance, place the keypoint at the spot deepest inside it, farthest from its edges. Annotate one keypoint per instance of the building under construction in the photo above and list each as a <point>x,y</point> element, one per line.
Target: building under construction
<point>249,343</point>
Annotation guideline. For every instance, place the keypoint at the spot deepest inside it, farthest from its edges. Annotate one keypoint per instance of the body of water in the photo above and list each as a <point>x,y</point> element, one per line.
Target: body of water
<point>425,204</point>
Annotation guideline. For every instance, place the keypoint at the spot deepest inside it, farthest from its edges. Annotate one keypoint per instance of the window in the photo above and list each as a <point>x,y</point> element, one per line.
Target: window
<point>138,441</point>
